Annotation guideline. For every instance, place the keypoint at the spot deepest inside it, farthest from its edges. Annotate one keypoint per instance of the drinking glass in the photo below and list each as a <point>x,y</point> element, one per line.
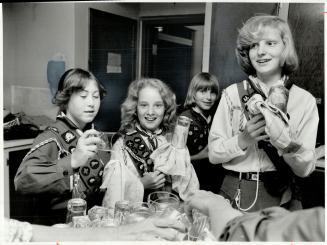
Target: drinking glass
<point>122,208</point>
<point>160,200</point>
<point>137,216</point>
<point>106,141</point>
<point>200,221</point>
<point>181,132</point>
<point>75,207</point>
<point>139,206</point>
<point>98,213</point>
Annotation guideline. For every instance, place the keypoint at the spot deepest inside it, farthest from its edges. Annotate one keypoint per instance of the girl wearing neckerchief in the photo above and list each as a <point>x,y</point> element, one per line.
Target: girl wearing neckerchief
<point>64,149</point>
<point>199,105</point>
<point>148,118</point>
<point>255,163</point>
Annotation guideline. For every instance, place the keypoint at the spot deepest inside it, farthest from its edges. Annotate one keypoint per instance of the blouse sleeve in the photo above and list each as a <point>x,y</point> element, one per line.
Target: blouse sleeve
<point>277,224</point>
<point>41,171</point>
<point>302,161</point>
<point>223,142</point>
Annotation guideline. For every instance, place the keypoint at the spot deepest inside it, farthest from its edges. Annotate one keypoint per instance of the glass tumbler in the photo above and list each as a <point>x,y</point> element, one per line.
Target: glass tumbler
<point>122,209</point>
<point>160,200</point>
<point>106,141</point>
<point>75,207</point>
<point>181,132</point>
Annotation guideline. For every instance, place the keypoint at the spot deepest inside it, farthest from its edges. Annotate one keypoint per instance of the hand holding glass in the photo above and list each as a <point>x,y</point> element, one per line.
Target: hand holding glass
<point>105,145</point>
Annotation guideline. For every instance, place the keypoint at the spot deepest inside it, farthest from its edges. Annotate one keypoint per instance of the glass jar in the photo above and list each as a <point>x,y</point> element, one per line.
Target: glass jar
<point>75,207</point>
<point>181,132</point>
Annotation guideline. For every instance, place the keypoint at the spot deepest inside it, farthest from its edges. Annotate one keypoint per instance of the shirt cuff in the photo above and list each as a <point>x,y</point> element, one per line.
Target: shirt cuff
<point>234,148</point>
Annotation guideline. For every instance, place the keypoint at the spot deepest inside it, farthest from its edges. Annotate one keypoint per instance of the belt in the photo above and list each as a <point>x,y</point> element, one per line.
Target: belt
<point>254,176</point>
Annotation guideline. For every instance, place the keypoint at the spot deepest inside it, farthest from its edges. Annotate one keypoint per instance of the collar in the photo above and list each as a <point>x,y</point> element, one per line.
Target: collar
<point>63,117</point>
<point>147,133</point>
<point>261,88</point>
<point>196,110</point>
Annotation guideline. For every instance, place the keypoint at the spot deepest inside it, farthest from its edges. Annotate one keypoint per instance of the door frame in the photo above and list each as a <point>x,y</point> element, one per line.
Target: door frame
<point>146,22</point>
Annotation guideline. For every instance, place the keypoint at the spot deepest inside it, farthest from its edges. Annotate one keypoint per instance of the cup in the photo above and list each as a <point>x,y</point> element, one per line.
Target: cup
<point>75,207</point>
<point>105,145</point>
<point>182,126</point>
<point>196,230</point>
<point>160,200</point>
<point>137,216</point>
<point>122,209</point>
<point>98,213</point>
<point>139,207</point>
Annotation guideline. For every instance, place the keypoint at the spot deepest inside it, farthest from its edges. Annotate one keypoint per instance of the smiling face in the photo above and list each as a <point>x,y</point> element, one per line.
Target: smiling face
<point>150,108</point>
<point>204,99</point>
<point>84,105</point>
<point>266,55</point>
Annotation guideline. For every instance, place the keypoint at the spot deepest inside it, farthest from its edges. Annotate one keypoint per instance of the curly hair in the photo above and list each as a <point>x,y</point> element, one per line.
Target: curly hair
<point>74,80</point>
<point>252,31</point>
<point>201,82</point>
<point>129,107</point>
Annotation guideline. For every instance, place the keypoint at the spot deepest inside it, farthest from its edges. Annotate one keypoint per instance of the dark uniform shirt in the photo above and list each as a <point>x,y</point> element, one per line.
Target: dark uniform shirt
<point>210,176</point>
<point>46,172</point>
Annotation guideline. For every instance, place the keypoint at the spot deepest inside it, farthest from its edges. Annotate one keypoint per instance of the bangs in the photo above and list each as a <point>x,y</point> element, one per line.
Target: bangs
<point>77,85</point>
<point>204,85</point>
<point>256,31</point>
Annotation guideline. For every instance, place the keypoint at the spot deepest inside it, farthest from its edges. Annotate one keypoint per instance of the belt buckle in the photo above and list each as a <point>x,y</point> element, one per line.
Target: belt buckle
<point>254,177</point>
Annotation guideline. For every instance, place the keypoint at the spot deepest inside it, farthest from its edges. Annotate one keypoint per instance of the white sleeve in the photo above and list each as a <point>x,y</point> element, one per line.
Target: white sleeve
<point>303,160</point>
<point>223,139</point>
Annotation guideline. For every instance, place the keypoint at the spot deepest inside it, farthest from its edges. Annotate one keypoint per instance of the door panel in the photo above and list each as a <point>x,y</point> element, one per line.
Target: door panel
<point>114,34</point>
<point>168,49</point>
<point>172,64</point>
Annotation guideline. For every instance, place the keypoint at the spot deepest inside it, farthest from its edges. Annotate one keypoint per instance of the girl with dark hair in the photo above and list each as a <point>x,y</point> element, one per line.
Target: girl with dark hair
<point>68,146</point>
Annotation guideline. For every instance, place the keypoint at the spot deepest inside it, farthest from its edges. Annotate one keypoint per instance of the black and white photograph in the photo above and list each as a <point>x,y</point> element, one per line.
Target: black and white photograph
<point>198,121</point>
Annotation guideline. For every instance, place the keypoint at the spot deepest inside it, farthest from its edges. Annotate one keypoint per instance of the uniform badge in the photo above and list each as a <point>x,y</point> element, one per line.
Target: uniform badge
<point>245,98</point>
<point>68,137</point>
<point>137,139</point>
<point>130,143</point>
<point>91,181</point>
<point>85,171</point>
<point>94,164</point>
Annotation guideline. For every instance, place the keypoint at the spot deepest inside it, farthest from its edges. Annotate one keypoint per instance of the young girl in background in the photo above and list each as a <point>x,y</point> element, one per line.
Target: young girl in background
<point>200,101</point>
<point>68,146</point>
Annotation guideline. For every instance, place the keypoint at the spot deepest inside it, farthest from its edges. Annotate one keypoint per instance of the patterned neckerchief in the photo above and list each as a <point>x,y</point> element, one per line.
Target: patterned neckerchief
<point>152,137</point>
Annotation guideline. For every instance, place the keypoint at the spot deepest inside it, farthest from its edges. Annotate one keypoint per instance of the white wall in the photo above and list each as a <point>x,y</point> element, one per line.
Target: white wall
<point>162,9</point>
<point>33,32</point>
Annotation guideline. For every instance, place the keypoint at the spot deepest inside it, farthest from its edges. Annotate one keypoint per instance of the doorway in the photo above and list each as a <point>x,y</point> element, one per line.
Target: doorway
<point>172,50</point>
<point>112,59</point>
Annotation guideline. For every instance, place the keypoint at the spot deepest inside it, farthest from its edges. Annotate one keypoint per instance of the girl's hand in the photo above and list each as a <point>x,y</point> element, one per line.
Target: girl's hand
<point>153,180</point>
<point>86,148</point>
<point>202,154</point>
<point>254,131</point>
